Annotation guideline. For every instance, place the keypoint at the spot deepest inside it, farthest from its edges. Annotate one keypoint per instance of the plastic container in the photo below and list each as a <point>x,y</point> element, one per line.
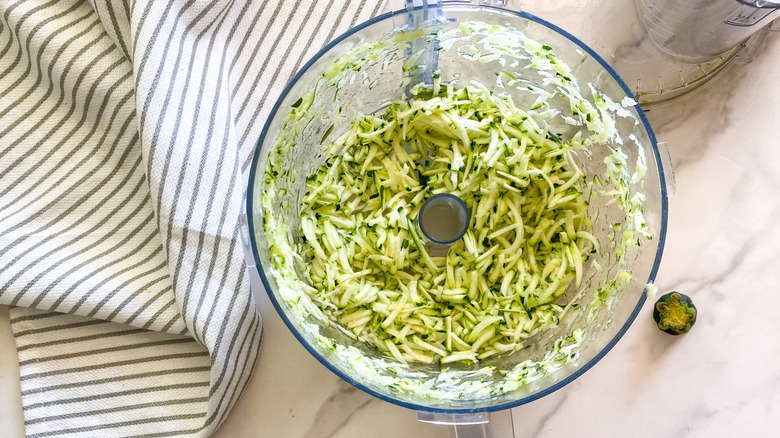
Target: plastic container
<point>382,79</point>
<point>699,31</point>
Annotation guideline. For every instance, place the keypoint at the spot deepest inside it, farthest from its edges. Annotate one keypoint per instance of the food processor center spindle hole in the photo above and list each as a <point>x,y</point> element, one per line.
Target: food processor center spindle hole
<point>443,219</point>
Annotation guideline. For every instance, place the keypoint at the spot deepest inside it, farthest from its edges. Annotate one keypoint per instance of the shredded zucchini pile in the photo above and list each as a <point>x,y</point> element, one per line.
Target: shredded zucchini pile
<point>529,233</point>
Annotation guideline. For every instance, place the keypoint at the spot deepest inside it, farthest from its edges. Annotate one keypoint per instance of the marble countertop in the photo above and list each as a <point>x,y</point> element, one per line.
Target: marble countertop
<point>722,249</point>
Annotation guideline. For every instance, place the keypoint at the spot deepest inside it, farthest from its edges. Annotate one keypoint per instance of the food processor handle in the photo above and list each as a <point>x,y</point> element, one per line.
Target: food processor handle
<point>476,425</point>
<point>468,431</point>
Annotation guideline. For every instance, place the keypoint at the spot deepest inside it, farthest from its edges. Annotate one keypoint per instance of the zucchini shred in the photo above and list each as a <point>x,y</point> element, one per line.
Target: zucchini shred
<point>497,286</point>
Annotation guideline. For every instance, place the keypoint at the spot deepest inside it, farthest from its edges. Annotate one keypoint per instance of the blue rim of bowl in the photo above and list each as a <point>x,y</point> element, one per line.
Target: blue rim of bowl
<point>499,407</point>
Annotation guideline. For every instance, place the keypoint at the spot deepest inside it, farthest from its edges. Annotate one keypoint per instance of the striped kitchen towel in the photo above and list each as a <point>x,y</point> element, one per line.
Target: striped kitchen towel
<point>126,134</point>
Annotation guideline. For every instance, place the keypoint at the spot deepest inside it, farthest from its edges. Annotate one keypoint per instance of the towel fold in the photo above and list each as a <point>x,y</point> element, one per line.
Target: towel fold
<point>126,135</point>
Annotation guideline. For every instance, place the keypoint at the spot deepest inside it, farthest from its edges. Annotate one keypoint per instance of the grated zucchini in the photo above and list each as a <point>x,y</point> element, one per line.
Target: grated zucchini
<point>526,243</point>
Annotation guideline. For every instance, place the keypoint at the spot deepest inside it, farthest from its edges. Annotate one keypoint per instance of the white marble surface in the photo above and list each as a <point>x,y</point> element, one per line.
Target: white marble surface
<point>723,249</point>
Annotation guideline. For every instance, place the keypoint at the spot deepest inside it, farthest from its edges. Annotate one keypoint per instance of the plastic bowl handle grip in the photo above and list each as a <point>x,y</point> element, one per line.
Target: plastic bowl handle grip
<point>476,425</point>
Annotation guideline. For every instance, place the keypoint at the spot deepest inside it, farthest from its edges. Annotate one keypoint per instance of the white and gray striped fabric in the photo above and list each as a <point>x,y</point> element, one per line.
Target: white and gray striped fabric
<point>126,134</point>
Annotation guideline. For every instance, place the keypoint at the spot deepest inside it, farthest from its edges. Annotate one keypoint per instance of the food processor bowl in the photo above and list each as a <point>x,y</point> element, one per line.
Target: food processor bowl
<point>507,52</point>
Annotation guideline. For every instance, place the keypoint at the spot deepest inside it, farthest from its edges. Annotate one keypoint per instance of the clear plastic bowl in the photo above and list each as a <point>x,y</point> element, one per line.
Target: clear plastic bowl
<point>382,79</point>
